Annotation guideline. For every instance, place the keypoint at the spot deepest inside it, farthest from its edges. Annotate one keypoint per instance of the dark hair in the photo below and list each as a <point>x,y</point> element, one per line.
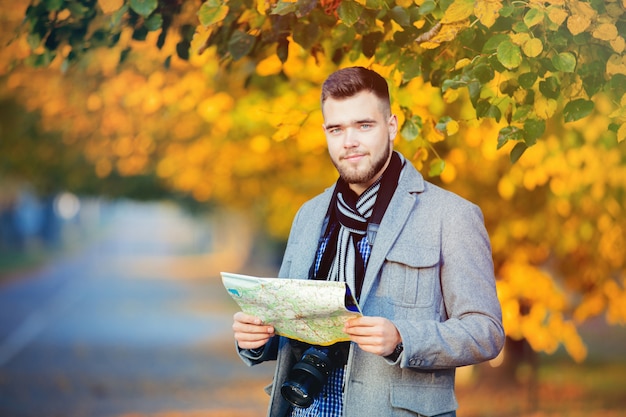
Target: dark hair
<point>347,82</point>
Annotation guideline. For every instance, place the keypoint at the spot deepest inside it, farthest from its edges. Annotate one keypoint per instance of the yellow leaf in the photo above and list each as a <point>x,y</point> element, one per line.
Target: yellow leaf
<point>430,45</point>
<point>614,10</point>
<point>577,24</point>
<point>506,188</point>
<point>404,3</point>
<point>269,66</point>
<point>616,65</point>
<point>110,6</point>
<point>452,127</point>
<point>557,15</point>
<point>461,63</point>
<point>545,107</point>
<point>449,32</point>
<point>533,47</point>
<point>582,9</point>
<point>430,133</point>
<point>618,44</point>
<point>451,95</point>
<point>519,38</point>
<point>605,32</point>
<point>621,133</point>
<point>457,11</point>
<point>487,11</point>
<point>261,6</point>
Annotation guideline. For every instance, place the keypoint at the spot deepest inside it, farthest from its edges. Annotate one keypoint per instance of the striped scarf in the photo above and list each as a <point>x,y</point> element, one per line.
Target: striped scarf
<point>352,217</point>
<point>346,240</point>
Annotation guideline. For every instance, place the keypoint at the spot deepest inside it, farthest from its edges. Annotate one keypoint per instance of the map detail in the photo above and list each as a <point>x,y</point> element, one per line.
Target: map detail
<point>313,312</point>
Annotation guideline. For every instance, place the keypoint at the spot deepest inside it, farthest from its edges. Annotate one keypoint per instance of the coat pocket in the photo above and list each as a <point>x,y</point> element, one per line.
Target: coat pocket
<point>424,400</point>
<point>411,275</point>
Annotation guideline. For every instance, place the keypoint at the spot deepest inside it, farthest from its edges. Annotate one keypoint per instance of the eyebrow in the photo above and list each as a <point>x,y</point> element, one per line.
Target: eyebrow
<point>354,122</point>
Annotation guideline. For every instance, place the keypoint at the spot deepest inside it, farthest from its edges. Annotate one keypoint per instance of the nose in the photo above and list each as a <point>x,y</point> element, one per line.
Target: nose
<point>350,139</point>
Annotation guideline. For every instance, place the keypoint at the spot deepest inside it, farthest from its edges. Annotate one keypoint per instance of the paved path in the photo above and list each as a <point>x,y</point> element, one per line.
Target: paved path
<point>130,325</point>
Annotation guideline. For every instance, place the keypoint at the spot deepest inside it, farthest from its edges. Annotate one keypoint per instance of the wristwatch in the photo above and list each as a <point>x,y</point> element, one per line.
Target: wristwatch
<point>396,352</point>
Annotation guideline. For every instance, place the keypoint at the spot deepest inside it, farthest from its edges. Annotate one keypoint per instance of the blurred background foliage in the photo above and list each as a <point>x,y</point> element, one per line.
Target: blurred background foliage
<point>518,106</point>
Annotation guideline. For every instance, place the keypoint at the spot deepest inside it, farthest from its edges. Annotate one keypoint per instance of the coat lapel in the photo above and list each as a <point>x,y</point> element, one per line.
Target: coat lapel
<point>311,232</point>
<point>402,203</point>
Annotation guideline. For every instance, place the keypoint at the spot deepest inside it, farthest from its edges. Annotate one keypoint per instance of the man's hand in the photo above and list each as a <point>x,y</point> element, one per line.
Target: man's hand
<point>376,335</point>
<point>250,332</point>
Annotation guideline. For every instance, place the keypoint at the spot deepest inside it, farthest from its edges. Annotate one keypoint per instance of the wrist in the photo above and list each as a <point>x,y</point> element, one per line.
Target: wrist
<point>393,356</point>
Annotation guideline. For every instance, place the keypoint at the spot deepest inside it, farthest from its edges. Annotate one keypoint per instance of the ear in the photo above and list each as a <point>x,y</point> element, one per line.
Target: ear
<point>392,125</point>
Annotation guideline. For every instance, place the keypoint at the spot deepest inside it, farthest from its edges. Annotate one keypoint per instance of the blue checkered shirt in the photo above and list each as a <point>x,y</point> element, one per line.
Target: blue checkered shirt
<point>329,403</point>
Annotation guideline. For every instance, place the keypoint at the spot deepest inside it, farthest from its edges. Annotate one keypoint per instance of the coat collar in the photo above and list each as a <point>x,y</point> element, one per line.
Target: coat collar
<point>411,183</point>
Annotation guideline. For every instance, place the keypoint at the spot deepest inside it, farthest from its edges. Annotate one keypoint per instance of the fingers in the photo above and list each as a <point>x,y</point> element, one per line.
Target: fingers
<point>376,335</point>
<point>250,332</point>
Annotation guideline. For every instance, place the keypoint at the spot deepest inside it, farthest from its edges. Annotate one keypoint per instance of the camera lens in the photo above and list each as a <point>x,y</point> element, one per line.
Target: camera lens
<point>306,378</point>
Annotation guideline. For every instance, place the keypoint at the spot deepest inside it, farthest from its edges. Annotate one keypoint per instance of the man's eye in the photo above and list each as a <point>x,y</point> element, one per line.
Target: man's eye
<point>366,126</point>
<point>334,131</point>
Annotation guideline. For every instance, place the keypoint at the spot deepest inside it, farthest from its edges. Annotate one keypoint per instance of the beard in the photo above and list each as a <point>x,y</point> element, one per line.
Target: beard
<point>363,175</point>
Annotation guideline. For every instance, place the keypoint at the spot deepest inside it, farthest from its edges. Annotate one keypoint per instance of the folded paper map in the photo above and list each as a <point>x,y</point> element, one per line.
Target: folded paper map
<point>310,311</point>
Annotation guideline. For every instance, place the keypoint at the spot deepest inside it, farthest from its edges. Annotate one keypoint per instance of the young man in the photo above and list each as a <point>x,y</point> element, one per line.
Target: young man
<point>417,257</point>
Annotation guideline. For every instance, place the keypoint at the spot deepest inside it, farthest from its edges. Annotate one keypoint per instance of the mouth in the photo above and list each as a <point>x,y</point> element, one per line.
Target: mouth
<point>354,157</point>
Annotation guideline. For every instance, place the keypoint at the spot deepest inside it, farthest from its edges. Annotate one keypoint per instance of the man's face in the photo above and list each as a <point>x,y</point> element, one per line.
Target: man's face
<point>360,138</point>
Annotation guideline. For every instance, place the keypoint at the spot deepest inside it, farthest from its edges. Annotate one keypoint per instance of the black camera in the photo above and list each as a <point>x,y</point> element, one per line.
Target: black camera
<point>307,377</point>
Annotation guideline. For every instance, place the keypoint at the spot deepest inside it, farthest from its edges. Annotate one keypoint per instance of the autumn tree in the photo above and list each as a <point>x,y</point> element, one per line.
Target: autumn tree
<point>517,105</point>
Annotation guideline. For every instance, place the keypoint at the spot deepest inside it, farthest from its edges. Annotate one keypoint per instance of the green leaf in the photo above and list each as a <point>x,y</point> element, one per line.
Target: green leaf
<point>436,167</point>
<point>441,124</point>
<point>527,80</point>
<point>618,84</point>
<point>483,73</point>
<point>77,9</point>
<point>485,109</point>
<point>53,5</point>
<point>370,42</point>
<point>522,113</point>
<point>474,89</point>
<point>283,8</point>
<point>509,133</point>
<point>144,7</point>
<point>565,62</point>
<point>577,109</point>
<point>349,12</point>
<point>453,84</point>
<point>427,7</point>
<point>154,22</point>
<point>533,17</point>
<point>282,49</point>
<point>410,67</point>
<point>533,129</point>
<point>213,11</point>
<point>411,128</point>
<point>304,7</point>
<point>492,43</point>
<point>373,4</point>
<point>240,44</point>
<point>509,54</point>
<point>182,49</point>
<point>305,34</point>
<point>550,87</point>
<point>400,15</point>
<point>517,151</point>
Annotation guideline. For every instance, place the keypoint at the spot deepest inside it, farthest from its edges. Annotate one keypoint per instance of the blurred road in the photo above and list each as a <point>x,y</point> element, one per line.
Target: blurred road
<point>134,324</point>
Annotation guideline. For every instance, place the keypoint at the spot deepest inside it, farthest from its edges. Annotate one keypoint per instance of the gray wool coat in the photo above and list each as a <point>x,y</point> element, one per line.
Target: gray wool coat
<point>431,273</point>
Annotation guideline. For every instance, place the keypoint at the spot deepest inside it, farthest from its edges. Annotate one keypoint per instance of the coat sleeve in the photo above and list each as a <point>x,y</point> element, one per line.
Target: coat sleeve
<point>466,327</point>
<point>269,352</point>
